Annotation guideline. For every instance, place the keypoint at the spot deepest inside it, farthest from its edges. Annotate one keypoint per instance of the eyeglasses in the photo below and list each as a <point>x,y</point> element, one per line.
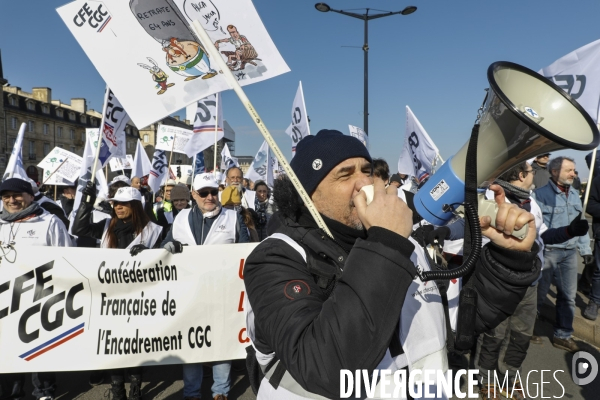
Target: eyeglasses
<point>532,171</point>
<point>16,196</point>
<point>204,193</point>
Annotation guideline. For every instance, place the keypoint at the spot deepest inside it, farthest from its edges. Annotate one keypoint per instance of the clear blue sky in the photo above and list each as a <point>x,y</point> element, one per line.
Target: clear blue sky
<point>434,61</point>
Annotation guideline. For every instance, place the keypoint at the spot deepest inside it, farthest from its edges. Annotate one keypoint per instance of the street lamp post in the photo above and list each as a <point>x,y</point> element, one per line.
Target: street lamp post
<point>366,17</point>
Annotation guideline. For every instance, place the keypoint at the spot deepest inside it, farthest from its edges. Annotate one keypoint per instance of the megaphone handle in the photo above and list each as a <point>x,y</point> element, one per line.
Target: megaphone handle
<point>490,208</point>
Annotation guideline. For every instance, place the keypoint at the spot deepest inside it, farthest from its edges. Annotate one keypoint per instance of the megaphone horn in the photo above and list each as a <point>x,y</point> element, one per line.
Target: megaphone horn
<point>524,115</point>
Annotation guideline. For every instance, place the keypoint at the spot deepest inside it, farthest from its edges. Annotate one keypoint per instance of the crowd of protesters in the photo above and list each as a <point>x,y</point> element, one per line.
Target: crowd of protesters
<point>344,310</point>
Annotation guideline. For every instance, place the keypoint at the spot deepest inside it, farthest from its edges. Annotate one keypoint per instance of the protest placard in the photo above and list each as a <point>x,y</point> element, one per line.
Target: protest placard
<point>63,163</point>
<point>67,309</point>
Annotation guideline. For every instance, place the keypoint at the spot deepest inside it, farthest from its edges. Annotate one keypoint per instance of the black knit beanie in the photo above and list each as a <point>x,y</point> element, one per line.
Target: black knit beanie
<point>317,155</point>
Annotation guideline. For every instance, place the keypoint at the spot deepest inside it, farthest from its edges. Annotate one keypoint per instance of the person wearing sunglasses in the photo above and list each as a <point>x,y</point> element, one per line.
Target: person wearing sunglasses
<point>206,223</point>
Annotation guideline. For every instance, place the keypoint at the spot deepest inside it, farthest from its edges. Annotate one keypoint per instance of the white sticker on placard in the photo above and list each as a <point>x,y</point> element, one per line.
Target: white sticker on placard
<point>439,190</point>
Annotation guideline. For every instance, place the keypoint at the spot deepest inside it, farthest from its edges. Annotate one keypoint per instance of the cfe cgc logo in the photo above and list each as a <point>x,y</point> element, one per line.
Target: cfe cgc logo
<point>93,14</point>
<point>43,308</point>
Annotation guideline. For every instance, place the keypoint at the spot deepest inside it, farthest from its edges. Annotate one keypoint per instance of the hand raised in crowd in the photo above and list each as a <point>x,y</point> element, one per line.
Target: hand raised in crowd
<point>509,218</point>
<point>137,249</point>
<point>386,210</point>
<point>89,191</point>
<point>174,247</point>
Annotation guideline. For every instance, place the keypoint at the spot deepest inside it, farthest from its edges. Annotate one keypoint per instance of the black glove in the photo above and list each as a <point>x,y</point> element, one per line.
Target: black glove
<point>440,234</point>
<point>174,247</point>
<point>137,249</point>
<point>578,227</point>
<point>588,259</point>
<point>89,190</point>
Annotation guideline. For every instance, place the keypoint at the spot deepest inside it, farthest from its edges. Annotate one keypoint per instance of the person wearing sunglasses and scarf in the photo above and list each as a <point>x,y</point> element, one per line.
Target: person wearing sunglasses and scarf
<point>128,227</point>
<point>206,223</point>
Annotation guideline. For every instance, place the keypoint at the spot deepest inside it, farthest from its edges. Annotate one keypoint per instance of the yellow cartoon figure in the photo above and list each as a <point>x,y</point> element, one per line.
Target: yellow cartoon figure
<point>158,76</point>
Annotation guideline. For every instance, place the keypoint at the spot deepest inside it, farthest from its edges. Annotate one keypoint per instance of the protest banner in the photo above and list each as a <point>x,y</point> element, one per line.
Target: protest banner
<point>419,153</point>
<point>53,179</point>
<point>15,168</point>
<point>118,164</point>
<point>159,171</point>
<point>63,163</point>
<point>172,138</point>
<point>168,68</point>
<point>358,133</point>
<point>67,309</point>
<point>261,168</point>
<point>578,74</point>
<point>299,128</point>
<point>207,130</point>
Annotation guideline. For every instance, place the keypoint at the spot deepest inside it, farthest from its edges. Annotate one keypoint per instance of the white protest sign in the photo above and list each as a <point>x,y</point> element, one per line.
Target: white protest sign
<point>63,163</point>
<point>172,138</point>
<point>358,133</point>
<point>54,179</point>
<point>168,68</point>
<point>102,308</point>
<point>119,164</point>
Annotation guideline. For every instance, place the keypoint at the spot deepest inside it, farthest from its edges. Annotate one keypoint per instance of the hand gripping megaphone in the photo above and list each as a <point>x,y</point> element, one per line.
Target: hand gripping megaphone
<point>524,115</point>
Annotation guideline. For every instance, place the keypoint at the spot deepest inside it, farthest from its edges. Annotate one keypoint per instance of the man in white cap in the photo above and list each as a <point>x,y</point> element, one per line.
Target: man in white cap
<point>206,223</point>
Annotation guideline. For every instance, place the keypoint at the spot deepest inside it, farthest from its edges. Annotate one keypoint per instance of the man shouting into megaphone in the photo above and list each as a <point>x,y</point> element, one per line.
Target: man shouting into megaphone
<point>320,305</point>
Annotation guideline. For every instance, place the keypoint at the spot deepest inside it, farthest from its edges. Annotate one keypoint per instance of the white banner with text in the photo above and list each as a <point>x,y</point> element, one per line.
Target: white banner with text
<point>66,309</point>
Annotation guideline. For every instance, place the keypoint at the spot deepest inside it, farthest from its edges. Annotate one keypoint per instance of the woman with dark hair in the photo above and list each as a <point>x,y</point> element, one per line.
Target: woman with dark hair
<point>128,227</point>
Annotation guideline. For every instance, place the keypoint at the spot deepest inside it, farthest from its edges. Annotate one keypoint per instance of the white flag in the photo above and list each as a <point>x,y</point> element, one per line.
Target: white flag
<point>578,74</point>
<point>262,166</point>
<point>358,133</point>
<point>419,151</point>
<point>14,168</point>
<point>227,161</point>
<point>299,128</point>
<point>205,119</point>
<point>114,121</point>
<point>85,173</point>
<point>141,162</point>
<point>159,171</point>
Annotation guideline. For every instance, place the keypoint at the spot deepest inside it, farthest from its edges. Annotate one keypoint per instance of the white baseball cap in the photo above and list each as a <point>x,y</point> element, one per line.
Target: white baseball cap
<point>205,180</point>
<point>170,182</point>
<point>126,194</point>
<point>120,178</point>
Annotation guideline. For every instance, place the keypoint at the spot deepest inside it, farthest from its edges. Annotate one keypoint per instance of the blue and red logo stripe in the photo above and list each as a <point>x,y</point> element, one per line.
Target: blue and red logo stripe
<point>52,343</point>
<point>104,24</point>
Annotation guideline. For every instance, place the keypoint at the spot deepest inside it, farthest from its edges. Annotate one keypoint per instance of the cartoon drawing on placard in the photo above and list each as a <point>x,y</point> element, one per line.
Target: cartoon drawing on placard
<point>158,76</point>
<point>244,52</point>
<point>184,54</point>
<point>188,58</point>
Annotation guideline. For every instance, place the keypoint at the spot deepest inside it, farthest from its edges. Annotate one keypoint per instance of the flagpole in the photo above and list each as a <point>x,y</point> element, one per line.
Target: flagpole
<point>171,156</point>
<point>589,183</point>
<point>194,168</point>
<point>233,84</point>
<point>218,96</point>
<point>55,190</point>
<point>99,145</point>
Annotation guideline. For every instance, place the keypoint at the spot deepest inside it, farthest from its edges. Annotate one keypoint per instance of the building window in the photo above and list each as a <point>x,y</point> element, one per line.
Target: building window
<point>71,134</point>
<point>83,119</point>
<point>59,113</point>
<point>31,125</point>
<point>30,106</point>
<point>13,122</point>
<point>11,143</point>
<point>146,138</point>
<point>46,149</point>
<point>59,131</point>
<point>31,150</point>
<point>46,109</point>
<point>92,121</point>
<point>13,101</point>
<point>83,136</point>
<point>72,116</point>
<point>46,129</point>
